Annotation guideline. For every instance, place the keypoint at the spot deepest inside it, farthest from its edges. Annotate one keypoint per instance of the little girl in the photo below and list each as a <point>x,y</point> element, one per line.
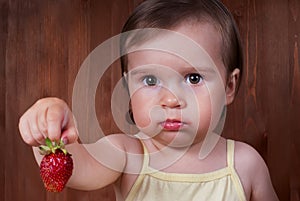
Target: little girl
<point>180,74</point>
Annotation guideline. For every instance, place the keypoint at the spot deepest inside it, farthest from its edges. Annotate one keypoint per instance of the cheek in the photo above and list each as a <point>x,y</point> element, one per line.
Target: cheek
<point>140,108</point>
<point>204,109</point>
<point>201,110</point>
<point>210,105</point>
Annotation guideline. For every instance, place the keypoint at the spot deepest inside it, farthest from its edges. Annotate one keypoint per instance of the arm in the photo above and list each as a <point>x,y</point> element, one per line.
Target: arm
<point>254,174</point>
<point>48,118</point>
<point>262,188</point>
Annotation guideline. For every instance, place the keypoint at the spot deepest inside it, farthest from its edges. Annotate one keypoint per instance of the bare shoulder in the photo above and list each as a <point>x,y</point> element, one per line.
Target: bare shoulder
<point>247,156</point>
<point>253,172</point>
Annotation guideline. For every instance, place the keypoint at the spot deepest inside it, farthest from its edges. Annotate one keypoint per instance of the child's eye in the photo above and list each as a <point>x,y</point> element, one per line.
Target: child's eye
<point>150,80</point>
<point>193,78</point>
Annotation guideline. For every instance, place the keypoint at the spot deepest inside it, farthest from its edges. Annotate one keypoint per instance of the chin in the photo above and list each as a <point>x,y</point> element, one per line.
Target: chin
<point>176,139</point>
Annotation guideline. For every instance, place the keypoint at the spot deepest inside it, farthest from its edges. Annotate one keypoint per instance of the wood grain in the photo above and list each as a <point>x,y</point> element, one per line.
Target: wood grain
<point>3,39</point>
<point>294,102</point>
<point>42,47</point>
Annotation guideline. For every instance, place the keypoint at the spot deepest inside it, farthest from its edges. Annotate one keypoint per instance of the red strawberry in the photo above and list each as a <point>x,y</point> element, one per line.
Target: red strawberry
<point>56,166</point>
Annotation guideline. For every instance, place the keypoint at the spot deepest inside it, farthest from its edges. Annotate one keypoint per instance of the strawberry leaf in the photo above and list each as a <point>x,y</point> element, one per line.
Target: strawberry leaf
<point>61,144</point>
<point>48,143</point>
<point>52,147</point>
<point>65,151</point>
<point>44,150</point>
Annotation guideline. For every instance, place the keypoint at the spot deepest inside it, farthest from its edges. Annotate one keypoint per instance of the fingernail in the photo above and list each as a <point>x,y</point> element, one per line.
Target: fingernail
<point>65,140</point>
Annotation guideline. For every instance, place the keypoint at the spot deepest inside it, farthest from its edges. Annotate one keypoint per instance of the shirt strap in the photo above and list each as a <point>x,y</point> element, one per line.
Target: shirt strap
<point>230,153</point>
<point>146,157</point>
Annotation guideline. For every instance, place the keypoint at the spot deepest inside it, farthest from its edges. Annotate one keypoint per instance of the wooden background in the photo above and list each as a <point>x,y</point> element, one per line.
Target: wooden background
<point>43,44</point>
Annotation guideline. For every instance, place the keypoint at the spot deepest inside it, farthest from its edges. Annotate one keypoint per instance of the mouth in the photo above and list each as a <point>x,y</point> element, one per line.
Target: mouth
<point>172,124</point>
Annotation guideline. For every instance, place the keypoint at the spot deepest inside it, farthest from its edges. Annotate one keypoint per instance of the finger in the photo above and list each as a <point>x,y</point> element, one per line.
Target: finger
<point>42,123</point>
<point>38,129</point>
<point>36,133</point>
<point>55,116</point>
<point>33,126</point>
<point>26,132</point>
<point>70,133</point>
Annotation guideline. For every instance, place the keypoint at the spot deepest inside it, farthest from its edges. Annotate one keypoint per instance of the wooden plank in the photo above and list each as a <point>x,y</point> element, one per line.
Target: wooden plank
<point>21,90</point>
<point>3,39</point>
<point>294,104</point>
<point>273,89</point>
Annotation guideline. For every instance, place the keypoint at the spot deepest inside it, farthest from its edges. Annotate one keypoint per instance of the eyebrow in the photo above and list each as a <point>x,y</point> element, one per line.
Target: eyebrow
<point>197,69</point>
<point>136,72</point>
<point>183,70</point>
<point>142,70</point>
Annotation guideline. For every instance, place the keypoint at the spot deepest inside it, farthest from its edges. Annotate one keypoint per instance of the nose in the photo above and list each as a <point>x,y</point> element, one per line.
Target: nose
<point>170,100</point>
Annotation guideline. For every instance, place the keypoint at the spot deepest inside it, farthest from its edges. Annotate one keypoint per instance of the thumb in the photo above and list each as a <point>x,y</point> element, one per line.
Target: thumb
<point>70,132</point>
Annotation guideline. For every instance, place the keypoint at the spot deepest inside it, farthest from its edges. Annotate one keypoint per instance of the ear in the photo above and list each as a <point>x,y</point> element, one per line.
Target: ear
<point>231,85</point>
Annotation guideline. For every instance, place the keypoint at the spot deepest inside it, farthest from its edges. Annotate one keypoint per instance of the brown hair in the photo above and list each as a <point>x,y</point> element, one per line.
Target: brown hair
<point>167,14</point>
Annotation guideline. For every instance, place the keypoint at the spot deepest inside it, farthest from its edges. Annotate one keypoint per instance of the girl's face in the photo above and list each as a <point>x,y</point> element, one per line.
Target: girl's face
<point>176,103</point>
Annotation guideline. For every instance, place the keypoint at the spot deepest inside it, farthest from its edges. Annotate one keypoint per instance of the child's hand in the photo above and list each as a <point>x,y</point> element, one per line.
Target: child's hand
<point>48,117</point>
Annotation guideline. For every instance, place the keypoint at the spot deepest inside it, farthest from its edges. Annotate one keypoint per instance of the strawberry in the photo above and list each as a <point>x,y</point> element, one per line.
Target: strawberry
<point>56,166</point>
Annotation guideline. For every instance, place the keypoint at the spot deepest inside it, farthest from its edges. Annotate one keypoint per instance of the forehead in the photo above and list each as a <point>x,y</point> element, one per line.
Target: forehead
<point>205,35</point>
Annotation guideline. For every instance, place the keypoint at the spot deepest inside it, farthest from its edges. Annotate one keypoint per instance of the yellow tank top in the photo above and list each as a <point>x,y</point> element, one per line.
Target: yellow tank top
<point>223,184</point>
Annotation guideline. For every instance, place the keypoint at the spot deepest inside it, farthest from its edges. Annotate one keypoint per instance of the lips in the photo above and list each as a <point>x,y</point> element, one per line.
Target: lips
<point>172,125</point>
